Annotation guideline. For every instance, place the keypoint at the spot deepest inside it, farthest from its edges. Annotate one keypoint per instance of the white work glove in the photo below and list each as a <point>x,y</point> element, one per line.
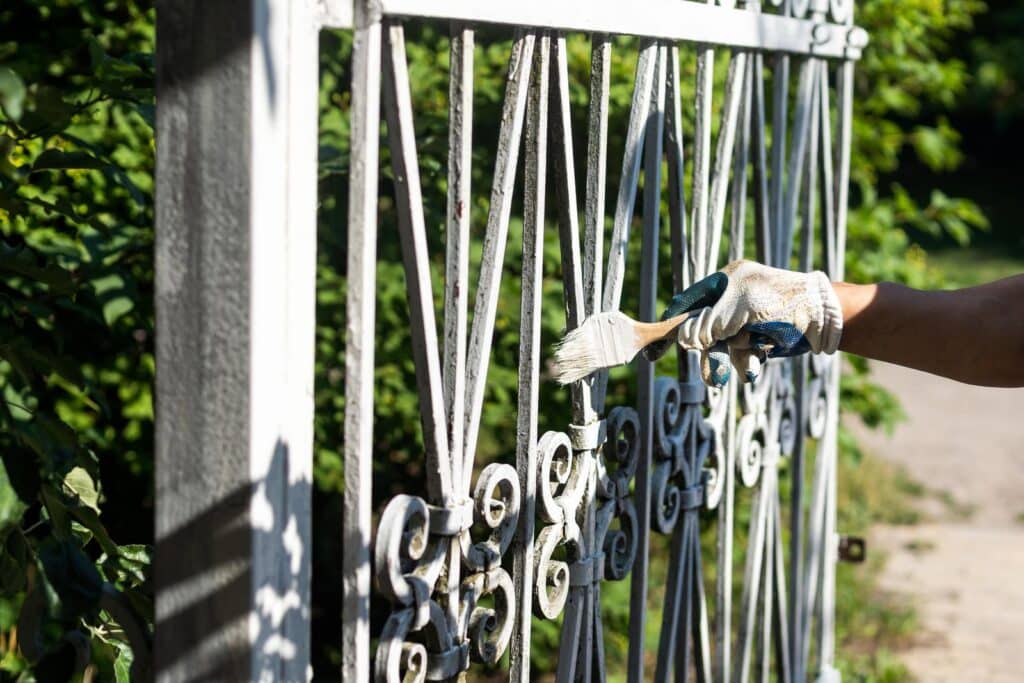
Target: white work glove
<point>758,312</point>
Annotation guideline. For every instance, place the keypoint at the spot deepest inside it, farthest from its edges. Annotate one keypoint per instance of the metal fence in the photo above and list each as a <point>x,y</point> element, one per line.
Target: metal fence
<point>467,566</point>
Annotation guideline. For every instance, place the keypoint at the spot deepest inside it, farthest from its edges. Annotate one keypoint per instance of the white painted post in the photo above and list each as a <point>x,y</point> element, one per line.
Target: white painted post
<point>237,84</point>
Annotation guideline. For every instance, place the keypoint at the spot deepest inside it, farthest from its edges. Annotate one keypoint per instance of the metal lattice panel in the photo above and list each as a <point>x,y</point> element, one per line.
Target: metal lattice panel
<point>466,566</point>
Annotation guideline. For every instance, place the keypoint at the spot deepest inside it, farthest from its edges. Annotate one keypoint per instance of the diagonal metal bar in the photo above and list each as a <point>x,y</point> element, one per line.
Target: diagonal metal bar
<point>413,238</point>
<point>495,240</point>
<point>676,175</point>
<point>734,93</point>
<point>573,263</point>
<point>628,183</point>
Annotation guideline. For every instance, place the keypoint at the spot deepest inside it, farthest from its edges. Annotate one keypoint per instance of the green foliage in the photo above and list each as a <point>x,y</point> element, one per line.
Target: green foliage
<point>76,321</point>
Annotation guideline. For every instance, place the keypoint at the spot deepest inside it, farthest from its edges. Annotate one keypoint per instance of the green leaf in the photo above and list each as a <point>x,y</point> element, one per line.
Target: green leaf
<point>123,664</point>
<point>72,576</point>
<point>27,264</point>
<point>58,159</point>
<point>12,93</point>
<point>11,507</point>
<point>79,484</point>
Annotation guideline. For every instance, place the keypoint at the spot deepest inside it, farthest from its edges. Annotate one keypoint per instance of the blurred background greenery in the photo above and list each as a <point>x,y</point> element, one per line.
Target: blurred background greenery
<point>938,110</point>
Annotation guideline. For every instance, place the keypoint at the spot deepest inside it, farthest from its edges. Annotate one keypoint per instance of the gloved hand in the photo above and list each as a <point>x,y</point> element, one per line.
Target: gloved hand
<point>755,312</point>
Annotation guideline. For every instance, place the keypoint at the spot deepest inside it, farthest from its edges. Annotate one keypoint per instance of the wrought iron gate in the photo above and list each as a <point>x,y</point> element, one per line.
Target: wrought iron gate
<point>465,567</point>
<point>614,474</point>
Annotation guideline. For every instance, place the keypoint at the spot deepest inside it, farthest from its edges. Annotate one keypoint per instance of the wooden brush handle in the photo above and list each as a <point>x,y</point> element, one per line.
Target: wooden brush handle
<point>647,333</point>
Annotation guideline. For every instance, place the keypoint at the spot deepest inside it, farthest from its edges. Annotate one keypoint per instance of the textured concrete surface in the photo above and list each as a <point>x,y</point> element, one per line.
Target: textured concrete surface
<point>964,567</point>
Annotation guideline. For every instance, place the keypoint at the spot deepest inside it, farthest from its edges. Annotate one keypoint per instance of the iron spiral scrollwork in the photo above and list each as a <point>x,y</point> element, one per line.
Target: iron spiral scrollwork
<point>413,539</point>
<point>621,452</point>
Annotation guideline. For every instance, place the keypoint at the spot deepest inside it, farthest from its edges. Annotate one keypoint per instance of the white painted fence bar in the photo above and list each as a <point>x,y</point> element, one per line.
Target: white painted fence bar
<point>461,569</point>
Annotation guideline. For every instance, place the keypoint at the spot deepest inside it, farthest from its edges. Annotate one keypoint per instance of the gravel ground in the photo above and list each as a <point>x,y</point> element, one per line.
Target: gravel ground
<point>964,567</point>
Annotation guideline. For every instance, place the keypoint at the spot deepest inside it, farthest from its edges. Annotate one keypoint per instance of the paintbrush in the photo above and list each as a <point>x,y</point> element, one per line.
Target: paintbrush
<point>605,340</point>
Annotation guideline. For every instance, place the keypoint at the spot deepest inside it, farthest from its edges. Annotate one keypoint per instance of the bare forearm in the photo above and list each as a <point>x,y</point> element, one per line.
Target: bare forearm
<point>972,335</point>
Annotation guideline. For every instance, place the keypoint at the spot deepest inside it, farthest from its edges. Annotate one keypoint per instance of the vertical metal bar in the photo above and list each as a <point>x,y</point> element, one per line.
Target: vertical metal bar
<point>752,582</point>
<point>769,483</point>
<point>737,232</point>
<point>702,162</point>
<point>529,356</point>
<point>827,197</point>
<point>456,282</point>
<point>782,650</point>
<point>688,562</point>
<point>811,171</point>
<point>359,357</point>
<point>842,188</point>
<point>827,624</point>
<point>780,118</point>
<point>800,375</point>
<point>645,369</point>
<point>495,239</point>
<point>763,214</point>
<point>597,166</point>
<point>672,634</point>
<point>798,151</point>
<point>413,240</point>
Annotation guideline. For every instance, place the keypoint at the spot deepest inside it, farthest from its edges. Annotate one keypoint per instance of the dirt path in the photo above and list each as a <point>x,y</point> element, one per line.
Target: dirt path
<point>965,566</point>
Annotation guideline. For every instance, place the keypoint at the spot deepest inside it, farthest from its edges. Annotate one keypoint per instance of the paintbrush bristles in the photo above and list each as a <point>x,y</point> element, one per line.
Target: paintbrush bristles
<point>602,341</point>
<point>606,340</point>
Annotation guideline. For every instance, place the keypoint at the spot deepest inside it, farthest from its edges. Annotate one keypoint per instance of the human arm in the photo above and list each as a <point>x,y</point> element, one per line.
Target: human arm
<point>973,335</point>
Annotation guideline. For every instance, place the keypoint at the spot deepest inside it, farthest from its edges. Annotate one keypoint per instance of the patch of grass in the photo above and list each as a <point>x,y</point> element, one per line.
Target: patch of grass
<point>958,510</point>
<point>875,491</point>
<point>975,265</point>
<point>1019,518</point>
<point>873,625</point>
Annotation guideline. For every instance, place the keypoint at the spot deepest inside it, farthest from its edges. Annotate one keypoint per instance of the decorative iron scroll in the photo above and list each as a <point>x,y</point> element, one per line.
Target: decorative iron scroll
<point>466,567</point>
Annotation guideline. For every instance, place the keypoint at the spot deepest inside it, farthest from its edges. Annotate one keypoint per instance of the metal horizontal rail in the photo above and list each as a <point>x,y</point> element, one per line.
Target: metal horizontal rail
<point>667,19</point>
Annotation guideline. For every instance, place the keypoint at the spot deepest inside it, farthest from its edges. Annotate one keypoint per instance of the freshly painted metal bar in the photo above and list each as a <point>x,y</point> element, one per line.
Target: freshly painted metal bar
<point>359,351</point>
<point>660,19</point>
